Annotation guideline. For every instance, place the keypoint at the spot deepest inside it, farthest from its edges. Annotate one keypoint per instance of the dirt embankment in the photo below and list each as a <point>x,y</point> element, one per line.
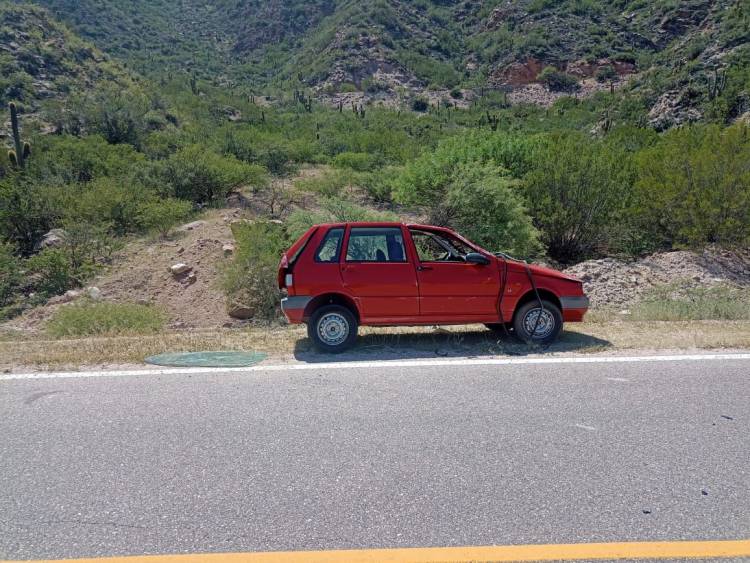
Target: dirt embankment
<point>612,282</point>
<point>141,274</point>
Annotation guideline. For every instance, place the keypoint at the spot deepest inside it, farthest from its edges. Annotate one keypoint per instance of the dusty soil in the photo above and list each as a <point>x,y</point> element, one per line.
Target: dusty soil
<point>141,274</point>
<point>612,282</point>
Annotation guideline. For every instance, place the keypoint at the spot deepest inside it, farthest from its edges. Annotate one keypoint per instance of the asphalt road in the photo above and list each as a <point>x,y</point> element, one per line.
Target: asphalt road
<point>375,457</point>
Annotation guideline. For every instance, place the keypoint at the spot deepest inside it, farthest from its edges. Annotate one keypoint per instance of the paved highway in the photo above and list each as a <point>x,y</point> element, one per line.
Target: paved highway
<point>375,456</point>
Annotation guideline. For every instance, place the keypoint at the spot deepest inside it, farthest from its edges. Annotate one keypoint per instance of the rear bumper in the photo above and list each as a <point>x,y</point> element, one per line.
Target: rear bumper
<point>574,308</point>
<point>294,308</point>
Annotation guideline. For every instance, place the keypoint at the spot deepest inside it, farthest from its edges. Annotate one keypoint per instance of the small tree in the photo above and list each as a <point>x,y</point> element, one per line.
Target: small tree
<point>162,214</point>
<point>558,81</point>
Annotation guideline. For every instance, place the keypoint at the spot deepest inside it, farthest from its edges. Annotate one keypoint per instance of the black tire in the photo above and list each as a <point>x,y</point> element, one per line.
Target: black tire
<point>525,319</point>
<point>341,330</point>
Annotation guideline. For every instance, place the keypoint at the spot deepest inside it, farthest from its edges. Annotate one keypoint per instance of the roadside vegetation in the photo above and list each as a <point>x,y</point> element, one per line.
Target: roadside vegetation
<point>113,155</point>
<point>105,319</point>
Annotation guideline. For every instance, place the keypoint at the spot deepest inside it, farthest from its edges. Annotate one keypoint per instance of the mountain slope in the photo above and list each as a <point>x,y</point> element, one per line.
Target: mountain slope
<point>691,57</point>
<point>40,59</point>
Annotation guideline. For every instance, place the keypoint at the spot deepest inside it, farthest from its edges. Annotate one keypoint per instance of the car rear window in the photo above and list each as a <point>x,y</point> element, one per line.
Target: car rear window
<point>376,245</point>
<point>329,249</point>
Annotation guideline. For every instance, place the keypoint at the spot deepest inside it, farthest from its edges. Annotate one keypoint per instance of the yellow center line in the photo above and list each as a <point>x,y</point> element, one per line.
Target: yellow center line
<point>558,552</point>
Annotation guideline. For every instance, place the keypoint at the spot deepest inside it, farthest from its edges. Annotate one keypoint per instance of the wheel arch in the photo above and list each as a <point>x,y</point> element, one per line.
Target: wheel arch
<point>331,299</point>
<point>531,296</point>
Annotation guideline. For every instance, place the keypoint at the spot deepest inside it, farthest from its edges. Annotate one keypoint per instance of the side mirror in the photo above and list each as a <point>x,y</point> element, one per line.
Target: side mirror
<point>476,258</point>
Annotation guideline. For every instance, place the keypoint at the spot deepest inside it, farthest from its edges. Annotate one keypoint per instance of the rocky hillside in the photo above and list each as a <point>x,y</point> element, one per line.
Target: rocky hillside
<point>42,63</point>
<point>690,57</point>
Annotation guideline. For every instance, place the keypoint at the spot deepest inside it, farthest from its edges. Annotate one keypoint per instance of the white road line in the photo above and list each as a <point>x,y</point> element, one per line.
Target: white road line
<point>384,364</point>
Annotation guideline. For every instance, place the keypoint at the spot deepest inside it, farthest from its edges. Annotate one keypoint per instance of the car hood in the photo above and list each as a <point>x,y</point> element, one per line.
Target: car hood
<point>538,270</point>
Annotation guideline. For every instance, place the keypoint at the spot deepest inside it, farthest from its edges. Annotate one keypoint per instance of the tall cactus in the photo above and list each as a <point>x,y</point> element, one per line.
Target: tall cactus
<point>22,150</point>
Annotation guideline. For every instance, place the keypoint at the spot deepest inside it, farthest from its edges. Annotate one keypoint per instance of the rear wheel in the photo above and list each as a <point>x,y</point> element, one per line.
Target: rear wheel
<point>332,329</point>
<point>538,325</point>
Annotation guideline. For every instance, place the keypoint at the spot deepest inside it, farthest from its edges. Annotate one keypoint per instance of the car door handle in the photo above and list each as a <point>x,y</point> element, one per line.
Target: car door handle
<point>423,268</point>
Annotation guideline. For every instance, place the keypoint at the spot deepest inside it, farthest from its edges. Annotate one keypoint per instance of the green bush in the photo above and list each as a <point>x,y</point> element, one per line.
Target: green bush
<point>358,161</point>
<point>66,159</point>
<point>330,183</point>
<point>577,191</point>
<point>52,272</point>
<point>606,73</point>
<point>332,210</point>
<point>10,275</point>
<point>485,206</point>
<point>250,279</point>
<point>558,81</point>
<point>202,176</point>
<point>113,205</point>
<point>27,211</point>
<point>693,188</point>
<point>420,104</point>
<point>105,319</point>
<point>161,215</point>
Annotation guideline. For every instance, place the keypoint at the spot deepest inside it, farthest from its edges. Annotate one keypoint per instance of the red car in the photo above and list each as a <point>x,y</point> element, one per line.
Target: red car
<point>340,276</point>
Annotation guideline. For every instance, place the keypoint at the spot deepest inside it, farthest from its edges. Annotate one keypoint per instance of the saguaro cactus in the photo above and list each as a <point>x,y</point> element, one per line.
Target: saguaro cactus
<point>22,150</point>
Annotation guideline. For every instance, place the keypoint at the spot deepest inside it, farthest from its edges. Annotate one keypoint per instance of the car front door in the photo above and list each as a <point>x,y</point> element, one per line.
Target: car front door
<point>449,287</point>
<point>377,272</point>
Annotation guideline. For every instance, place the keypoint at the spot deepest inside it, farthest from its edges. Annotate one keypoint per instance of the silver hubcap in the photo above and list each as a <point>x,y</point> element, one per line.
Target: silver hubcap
<point>544,328</point>
<point>333,329</point>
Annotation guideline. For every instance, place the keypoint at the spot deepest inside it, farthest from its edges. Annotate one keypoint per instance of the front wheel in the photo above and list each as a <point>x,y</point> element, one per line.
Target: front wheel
<point>535,325</point>
<point>332,329</point>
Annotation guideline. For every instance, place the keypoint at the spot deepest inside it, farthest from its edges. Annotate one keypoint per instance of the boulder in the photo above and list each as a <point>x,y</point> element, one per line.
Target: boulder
<point>66,297</point>
<point>180,269</point>
<point>53,239</point>
<point>240,311</point>
<point>94,293</point>
<point>191,226</point>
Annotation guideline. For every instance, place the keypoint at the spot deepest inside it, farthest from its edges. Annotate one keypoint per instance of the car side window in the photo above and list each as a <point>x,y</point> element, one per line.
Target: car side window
<point>376,244</point>
<point>329,249</point>
<point>432,247</point>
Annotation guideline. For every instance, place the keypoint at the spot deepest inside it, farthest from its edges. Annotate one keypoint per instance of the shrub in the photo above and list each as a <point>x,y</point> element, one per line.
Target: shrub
<point>420,104</point>
<point>27,212</point>
<point>606,73</point>
<point>117,114</point>
<point>52,272</point>
<point>10,275</point>
<point>161,215</point>
<point>576,191</point>
<point>558,81</point>
<point>203,176</point>
<point>484,205</point>
<point>359,161</point>
<point>105,319</point>
<point>250,279</point>
<point>111,204</point>
<point>693,188</point>
<point>457,94</point>
<point>329,183</point>
<point>332,210</point>
<point>66,159</point>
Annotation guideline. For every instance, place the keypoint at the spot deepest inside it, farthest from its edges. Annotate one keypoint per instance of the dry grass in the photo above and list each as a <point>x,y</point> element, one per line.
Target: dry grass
<point>290,343</point>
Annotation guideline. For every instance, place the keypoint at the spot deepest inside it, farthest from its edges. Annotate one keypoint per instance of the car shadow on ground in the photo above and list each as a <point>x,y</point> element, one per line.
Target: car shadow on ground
<point>395,344</point>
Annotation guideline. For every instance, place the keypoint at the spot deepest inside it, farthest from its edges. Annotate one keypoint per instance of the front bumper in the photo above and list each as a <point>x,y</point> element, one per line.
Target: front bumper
<point>294,308</point>
<point>574,308</point>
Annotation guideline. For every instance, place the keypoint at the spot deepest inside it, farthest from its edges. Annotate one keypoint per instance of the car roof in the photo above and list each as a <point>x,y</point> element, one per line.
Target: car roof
<point>385,224</point>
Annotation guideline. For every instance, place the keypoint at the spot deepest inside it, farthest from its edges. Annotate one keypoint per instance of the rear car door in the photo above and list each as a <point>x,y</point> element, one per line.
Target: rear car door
<point>377,272</point>
<point>449,287</point>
